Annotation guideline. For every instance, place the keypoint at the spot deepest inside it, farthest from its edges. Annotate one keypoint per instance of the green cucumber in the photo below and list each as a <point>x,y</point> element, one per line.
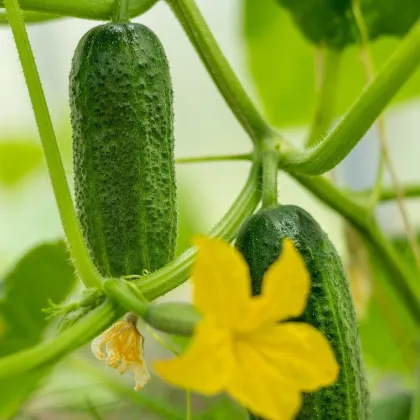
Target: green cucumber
<point>122,119</point>
<point>330,307</point>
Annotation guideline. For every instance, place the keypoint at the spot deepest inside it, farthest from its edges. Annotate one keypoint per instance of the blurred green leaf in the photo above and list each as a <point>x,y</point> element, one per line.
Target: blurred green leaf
<point>282,64</point>
<point>331,22</point>
<point>387,324</point>
<point>17,390</point>
<point>18,159</point>
<point>43,273</point>
<point>392,407</point>
<point>326,22</point>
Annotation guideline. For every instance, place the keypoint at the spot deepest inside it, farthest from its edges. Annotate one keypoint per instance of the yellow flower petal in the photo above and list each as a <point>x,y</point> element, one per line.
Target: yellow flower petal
<point>257,385</point>
<point>222,286</point>
<point>299,352</point>
<point>203,367</point>
<point>285,289</point>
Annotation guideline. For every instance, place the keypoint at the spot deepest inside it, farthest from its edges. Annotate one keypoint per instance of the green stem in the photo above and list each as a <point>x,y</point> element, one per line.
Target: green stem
<point>72,338</point>
<point>219,69</point>
<point>217,158</point>
<point>30,17</point>
<point>369,68</point>
<point>270,177</point>
<point>401,278</point>
<point>121,11</point>
<point>173,318</point>
<point>97,9</point>
<point>117,290</point>
<point>77,247</point>
<point>415,404</point>
<point>188,402</point>
<point>325,107</point>
<point>389,194</point>
<point>362,114</point>
<point>385,156</point>
<point>376,193</point>
<point>358,216</point>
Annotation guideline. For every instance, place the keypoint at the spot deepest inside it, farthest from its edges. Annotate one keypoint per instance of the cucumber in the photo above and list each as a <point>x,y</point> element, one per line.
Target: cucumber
<point>122,119</point>
<point>330,308</point>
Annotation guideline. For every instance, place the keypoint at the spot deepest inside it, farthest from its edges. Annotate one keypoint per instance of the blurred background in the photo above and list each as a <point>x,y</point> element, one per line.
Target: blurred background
<point>278,67</point>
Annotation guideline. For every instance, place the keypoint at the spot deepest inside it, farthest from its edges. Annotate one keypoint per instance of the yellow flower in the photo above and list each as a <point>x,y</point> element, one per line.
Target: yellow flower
<point>124,349</point>
<point>240,347</point>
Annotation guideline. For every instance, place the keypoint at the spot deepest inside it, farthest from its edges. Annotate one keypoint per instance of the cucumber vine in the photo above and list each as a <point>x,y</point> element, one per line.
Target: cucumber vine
<point>271,153</point>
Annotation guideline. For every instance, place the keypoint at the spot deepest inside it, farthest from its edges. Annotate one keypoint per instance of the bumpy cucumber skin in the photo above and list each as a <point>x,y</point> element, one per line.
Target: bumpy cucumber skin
<point>330,308</point>
<point>122,120</point>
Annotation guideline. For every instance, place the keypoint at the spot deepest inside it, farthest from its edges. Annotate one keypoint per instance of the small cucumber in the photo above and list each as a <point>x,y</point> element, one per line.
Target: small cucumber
<point>329,309</point>
<point>122,120</point>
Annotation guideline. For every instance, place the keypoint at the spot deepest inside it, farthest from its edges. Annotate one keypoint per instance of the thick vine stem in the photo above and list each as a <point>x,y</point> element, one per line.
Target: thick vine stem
<point>67,341</point>
<point>77,247</point>
<point>270,162</point>
<point>121,13</point>
<point>30,17</point>
<point>117,290</point>
<point>98,9</point>
<point>362,114</point>
<point>219,69</point>
<point>270,175</point>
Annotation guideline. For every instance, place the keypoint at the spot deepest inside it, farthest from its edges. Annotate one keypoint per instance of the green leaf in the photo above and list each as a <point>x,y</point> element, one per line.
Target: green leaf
<point>17,390</point>
<point>282,64</point>
<point>331,22</point>
<point>387,324</point>
<point>326,22</point>
<point>42,274</point>
<point>18,159</point>
<point>392,407</point>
